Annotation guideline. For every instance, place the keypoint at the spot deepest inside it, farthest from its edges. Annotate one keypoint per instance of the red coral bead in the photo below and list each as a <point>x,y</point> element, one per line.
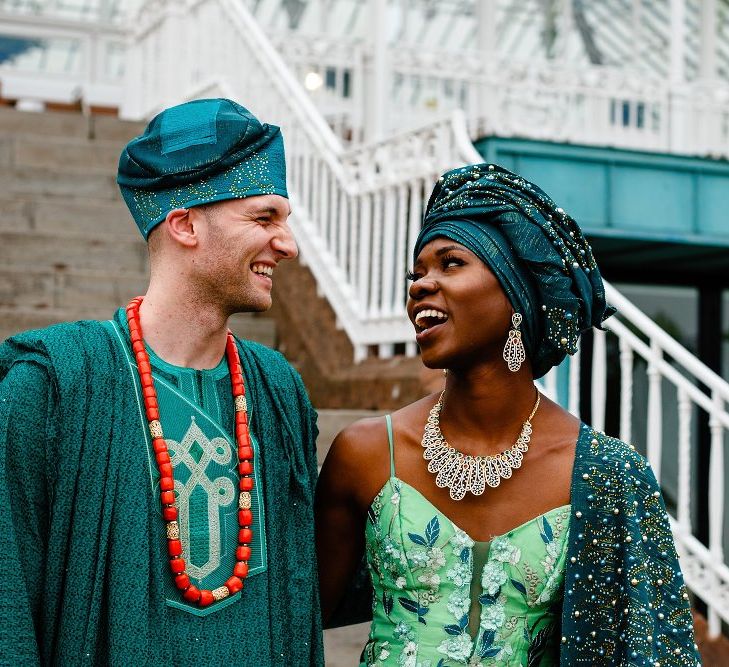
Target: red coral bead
<point>162,457</point>
<point>182,581</point>
<point>245,517</point>
<point>169,513</point>
<point>246,484</point>
<point>241,570</point>
<point>245,535</point>
<point>152,413</point>
<point>165,469</point>
<point>146,379</point>
<point>234,585</point>
<point>245,468</point>
<point>206,598</point>
<point>174,547</point>
<point>166,483</point>
<point>241,432</point>
<point>148,392</point>
<point>138,346</point>
<point>237,387</point>
<point>192,594</point>
<point>241,419</point>
<point>135,336</point>
<point>159,445</point>
<point>145,368</point>
<point>167,497</point>
<point>245,453</point>
<point>177,565</point>
<point>243,553</point>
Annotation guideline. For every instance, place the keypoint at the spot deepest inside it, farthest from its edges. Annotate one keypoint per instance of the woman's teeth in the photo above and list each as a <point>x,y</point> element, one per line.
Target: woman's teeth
<point>428,318</point>
<point>262,269</point>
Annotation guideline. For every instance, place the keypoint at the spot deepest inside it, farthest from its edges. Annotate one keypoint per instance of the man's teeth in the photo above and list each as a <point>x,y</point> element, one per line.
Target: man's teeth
<point>262,269</point>
<point>426,314</point>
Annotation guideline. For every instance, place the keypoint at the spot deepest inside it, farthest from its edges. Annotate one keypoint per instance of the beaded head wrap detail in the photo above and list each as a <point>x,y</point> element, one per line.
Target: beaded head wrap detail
<point>536,251</point>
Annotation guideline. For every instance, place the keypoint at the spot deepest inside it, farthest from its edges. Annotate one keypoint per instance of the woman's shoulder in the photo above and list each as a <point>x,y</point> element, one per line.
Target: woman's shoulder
<point>612,457</point>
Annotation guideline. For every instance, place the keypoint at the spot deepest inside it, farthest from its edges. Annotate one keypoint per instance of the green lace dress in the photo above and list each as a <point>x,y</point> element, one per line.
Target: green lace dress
<point>441,598</point>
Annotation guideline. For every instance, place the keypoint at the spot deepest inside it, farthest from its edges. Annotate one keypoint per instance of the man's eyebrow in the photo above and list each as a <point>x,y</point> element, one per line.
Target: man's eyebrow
<point>269,210</point>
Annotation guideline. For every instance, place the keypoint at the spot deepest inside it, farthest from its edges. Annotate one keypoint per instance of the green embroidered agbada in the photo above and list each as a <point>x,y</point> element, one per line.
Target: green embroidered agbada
<point>83,566</point>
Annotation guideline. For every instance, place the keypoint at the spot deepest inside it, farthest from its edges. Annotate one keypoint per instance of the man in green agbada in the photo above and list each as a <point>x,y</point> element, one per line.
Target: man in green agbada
<point>84,562</point>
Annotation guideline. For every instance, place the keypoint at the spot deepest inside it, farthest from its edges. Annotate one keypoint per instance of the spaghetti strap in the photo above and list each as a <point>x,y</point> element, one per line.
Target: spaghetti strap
<point>388,421</point>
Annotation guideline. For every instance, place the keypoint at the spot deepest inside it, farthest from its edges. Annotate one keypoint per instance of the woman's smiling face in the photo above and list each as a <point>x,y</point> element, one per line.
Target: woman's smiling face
<point>460,312</point>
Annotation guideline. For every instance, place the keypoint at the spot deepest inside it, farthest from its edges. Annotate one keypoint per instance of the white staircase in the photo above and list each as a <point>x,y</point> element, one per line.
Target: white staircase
<point>357,206</point>
<point>356,213</point>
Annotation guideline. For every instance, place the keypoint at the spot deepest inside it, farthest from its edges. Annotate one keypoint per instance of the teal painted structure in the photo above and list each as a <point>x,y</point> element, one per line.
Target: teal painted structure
<point>640,209</point>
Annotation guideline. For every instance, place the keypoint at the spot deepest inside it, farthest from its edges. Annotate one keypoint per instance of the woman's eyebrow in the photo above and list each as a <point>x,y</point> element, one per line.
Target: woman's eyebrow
<point>447,248</point>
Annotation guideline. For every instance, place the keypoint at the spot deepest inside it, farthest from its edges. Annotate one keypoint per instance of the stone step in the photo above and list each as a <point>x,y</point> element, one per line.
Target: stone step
<point>67,214</point>
<point>14,320</point>
<point>67,124</point>
<point>59,124</point>
<point>111,128</point>
<point>81,156</point>
<point>36,250</point>
<point>253,327</point>
<point>68,289</point>
<point>330,422</point>
<point>36,181</point>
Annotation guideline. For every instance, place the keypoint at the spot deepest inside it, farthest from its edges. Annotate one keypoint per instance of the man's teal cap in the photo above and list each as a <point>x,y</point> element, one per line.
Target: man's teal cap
<point>197,153</point>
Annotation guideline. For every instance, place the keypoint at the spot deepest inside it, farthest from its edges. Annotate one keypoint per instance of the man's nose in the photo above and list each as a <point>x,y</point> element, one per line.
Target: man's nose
<point>284,243</point>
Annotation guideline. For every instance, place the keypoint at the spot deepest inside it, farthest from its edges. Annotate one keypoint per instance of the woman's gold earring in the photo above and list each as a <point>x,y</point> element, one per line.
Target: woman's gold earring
<point>514,354</point>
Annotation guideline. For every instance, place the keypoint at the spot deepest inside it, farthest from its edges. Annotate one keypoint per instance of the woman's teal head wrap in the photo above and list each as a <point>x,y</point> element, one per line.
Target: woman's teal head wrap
<point>535,250</point>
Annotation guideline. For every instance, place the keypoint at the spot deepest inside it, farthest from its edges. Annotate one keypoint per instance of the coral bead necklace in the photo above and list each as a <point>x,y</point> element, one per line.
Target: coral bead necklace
<point>192,593</point>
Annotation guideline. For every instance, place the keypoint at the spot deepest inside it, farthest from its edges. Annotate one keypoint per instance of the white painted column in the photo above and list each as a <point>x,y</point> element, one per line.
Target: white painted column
<point>565,28</point>
<point>636,20</point>
<point>678,41</point>
<point>486,26</point>
<point>677,104</point>
<point>379,73</point>
<point>487,47</point>
<point>707,40</point>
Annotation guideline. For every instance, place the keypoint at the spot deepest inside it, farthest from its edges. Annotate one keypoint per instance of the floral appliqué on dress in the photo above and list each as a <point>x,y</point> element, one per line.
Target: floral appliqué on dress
<point>421,566</point>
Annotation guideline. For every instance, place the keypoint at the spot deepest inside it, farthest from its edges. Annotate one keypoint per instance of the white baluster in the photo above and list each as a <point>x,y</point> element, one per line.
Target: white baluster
<point>684,459</point>
<point>342,226</point>
<point>365,244</point>
<point>353,223</point>
<point>375,260</point>
<point>654,435</point>
<point>626,391</point>
<point>388,250</point>
<point>716,500</point>
<point>599,379</point>
<point>401,250</point>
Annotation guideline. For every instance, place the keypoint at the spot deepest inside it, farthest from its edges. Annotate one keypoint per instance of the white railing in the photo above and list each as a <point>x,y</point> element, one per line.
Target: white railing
<point>654,370</point>
<point>356,215</point>
<point>377,190</point>
<point>547,100</point>
<point>87,67</point>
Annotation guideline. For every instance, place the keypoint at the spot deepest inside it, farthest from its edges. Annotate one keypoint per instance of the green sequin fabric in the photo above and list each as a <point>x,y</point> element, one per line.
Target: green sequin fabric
<point>536,251</point>
<point>197,153</point>
<point>81,565</point>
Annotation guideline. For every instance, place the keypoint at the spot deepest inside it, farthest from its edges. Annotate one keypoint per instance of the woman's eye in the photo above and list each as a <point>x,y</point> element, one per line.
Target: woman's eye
<point>448,262</point>
<point>409,275</point>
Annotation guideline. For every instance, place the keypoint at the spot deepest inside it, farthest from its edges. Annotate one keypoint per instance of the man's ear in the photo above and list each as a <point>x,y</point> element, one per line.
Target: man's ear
<point>181,227</point>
